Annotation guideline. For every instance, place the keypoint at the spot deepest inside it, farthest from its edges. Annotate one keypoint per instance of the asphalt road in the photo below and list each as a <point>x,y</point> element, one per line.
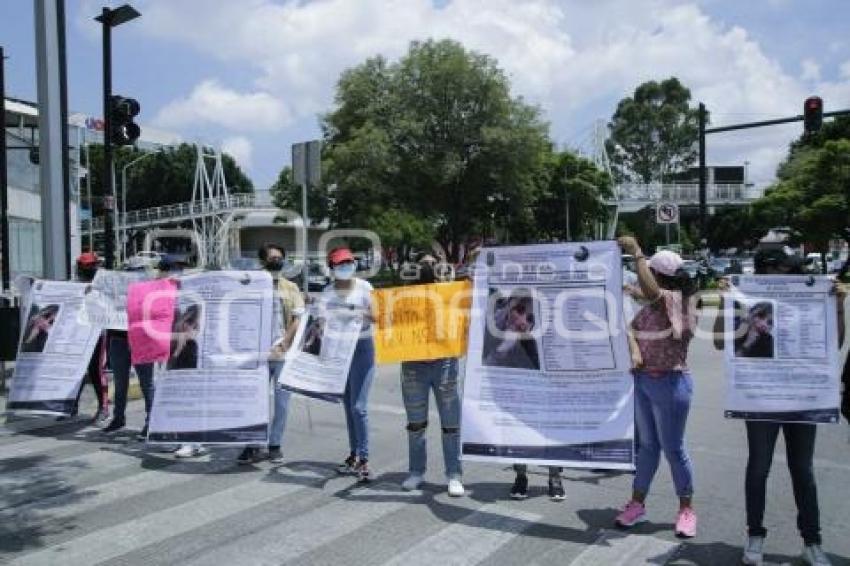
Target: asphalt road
<point>69,495</point>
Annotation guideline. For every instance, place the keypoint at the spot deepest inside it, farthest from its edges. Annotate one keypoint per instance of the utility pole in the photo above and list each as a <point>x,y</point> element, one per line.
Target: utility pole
<point>703,183</point>
<point>4,186</point>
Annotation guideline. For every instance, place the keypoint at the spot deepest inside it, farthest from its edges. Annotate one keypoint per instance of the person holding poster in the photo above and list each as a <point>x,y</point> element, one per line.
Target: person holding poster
<point>663,330</point>
<point>762,434</point>
<point>288,306</point>
<point>351,292</point>
<point>418,379</point>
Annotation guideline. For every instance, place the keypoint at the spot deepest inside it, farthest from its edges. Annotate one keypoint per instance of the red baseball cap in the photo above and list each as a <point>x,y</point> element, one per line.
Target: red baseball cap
<point>339,255</point>
<point>88,258</point>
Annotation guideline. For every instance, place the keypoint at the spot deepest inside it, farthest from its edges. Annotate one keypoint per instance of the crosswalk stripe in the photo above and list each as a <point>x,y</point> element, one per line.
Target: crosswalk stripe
<point>39,445</point>
<point>111,542</point>
<point>618,549</point>
<point>470,540</point>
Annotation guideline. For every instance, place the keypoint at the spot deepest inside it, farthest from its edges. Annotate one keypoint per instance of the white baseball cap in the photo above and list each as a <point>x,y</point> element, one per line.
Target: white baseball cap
<point>666,262</point>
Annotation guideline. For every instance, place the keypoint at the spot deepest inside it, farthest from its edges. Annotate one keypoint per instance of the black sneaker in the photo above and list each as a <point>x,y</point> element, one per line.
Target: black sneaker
<point>142,435</point>
<point>520,488</point>
<point>249,455</point>
<point>275,455</point>
<point>114,426</point>
<point>347,466</point>
<point>362,471</point>
<point>556,489</point>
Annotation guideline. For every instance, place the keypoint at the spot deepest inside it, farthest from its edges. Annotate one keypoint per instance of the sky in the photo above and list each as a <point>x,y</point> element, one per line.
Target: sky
<point>253,76</point>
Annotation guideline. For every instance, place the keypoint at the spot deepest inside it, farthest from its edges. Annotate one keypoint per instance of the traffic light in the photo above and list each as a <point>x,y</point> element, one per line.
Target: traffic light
<point>812,114</point>
<point>123,131</point>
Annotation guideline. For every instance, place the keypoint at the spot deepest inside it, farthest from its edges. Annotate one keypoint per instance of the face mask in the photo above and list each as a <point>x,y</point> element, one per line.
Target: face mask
<point>274,264</point>
<point>344,271</point>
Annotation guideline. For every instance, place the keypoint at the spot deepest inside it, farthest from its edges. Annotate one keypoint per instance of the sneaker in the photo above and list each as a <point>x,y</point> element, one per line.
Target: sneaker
<point>189,451</point>
<point>412,482</point>
<point>364,475</point>
<point>686,523</point>
<point>814,556</point>
<point>347,466</point>
<point>142,435</point>
<point>753,555</point>
<point>101,416</point>
<point>455,488</point>
<point>520,488</point>
<point>556,489</point>
<point>632,514</point>
<point>275,455</point>
<point>114,426</point>
<point>249,455</point>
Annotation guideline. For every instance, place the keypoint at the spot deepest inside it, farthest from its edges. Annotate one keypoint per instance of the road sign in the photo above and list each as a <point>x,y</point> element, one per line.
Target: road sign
<point>667,213</point>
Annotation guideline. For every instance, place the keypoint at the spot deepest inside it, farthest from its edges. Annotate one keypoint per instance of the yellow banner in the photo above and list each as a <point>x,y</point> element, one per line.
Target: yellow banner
<point>422,322</point>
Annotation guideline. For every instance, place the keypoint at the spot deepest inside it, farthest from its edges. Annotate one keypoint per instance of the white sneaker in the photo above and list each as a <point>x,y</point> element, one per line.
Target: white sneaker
<point>455,488</point>
<point>753,555</point>
<point>813,554</point>
<point>189,451</point>
<point>412,482</point>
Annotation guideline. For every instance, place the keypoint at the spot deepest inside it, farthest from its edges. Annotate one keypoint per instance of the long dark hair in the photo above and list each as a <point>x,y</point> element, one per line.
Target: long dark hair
<point>680,281</point>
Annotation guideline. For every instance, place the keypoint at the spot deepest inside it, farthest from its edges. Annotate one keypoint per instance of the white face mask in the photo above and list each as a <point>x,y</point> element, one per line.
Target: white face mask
<point>345,271</point>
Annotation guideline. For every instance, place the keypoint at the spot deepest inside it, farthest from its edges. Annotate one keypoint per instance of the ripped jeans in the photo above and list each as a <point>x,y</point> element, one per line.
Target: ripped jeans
<point>418,379</point>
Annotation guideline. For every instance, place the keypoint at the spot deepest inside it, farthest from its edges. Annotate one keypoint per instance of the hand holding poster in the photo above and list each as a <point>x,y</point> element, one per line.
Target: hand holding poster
<point>548,371</point>
<point>422,322</point>
<point>57,343</point>
<point>781,349</point>
<point>215,389</point>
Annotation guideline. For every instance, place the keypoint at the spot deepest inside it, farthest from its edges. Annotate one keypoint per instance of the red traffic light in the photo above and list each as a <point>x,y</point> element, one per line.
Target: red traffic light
<point>812,114</point>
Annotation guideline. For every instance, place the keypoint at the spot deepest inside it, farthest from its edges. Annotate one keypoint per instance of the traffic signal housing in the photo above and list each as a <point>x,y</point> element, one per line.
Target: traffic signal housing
<point>812,114</point>
<point>123,131</point>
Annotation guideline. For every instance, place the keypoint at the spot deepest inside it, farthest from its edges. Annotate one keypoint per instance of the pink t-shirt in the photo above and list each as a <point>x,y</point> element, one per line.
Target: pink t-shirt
<point>663,331</point>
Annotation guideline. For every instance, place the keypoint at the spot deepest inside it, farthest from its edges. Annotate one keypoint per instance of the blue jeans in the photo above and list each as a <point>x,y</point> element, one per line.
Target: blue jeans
<point>356,397</point>
<point>281,404</point>
<point>418,379</point>
<point>662,403</point>
<point>119,361</point>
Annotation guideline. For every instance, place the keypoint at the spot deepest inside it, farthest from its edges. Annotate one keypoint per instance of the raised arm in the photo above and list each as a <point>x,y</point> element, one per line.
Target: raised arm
<point>648,285</point>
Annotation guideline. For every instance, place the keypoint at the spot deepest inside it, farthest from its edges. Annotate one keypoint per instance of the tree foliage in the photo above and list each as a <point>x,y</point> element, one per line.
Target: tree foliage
<point>433,142</point>
<point>653,132</point>
<point>163,178</point>
<point>288,196</point>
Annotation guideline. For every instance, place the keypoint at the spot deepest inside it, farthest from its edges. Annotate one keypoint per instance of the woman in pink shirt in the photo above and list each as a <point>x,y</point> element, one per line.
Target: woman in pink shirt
<point>663,329</point>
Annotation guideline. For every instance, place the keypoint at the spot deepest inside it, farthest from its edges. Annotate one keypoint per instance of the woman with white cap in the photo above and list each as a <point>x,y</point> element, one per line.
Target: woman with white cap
<point>663,330</point>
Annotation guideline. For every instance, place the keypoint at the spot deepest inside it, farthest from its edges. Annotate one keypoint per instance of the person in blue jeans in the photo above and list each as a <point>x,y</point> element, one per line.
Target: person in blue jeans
<point>418,379</point>
<point>118,348</point>
<point>348,291</point>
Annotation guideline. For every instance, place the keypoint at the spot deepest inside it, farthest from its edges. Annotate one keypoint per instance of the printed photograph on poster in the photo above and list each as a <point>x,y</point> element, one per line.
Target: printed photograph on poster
<point>313,333</point>
<point>509,331</point>
<point>39,323</point>
<point>184,337</point>
<point>754,329</point>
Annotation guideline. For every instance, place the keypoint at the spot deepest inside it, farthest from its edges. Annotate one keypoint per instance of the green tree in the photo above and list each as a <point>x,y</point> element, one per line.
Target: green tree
<point>653,132</point>
<point>735,227</point>
<point>435,136</point>
<point>570,179</point>
<point>288,196</point>
<point>164,178</point>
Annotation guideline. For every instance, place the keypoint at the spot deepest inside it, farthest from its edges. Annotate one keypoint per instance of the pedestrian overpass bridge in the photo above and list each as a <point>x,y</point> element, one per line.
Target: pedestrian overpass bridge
<point>631,197</point>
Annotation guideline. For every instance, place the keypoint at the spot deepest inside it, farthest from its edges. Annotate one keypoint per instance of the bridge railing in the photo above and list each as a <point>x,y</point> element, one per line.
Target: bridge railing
<point>687,192</point>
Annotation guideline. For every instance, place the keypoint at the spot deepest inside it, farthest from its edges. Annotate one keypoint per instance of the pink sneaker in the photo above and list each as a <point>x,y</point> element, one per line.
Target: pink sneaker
<point>686,523</point>
<point>632,514</point>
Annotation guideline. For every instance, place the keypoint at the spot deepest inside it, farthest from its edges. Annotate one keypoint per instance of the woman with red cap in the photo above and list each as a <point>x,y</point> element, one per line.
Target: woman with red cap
<point>354,293</point>
<point>663,330</point>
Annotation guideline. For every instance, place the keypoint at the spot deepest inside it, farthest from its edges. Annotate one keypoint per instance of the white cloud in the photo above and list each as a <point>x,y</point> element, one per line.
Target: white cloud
<point>569,56</point>
<point>844,69</point>
<point>241,149</point>
<point>212,103</point>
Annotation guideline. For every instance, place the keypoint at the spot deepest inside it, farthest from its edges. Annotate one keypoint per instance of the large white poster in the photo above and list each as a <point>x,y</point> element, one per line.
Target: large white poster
<point>548,369</point>
<point>214,388</point>
<point>56,345</point>
<point>106,304</point>
<point>318,363</point>
<point>781,349</point>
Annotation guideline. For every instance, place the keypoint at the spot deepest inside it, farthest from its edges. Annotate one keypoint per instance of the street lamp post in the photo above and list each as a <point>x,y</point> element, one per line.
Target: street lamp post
<point>109,19</point>
<point>124,202</point>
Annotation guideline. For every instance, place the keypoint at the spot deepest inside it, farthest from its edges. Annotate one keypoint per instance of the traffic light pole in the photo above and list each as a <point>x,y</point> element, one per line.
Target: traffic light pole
<point>108,180</point>
<point>4,186</point>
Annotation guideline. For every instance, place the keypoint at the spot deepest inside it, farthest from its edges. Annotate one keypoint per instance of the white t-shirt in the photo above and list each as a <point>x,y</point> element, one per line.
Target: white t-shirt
<point>360,295</point>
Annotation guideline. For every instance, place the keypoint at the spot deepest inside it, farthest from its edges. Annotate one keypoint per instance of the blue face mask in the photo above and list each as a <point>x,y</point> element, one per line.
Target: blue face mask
<point>345,271</point>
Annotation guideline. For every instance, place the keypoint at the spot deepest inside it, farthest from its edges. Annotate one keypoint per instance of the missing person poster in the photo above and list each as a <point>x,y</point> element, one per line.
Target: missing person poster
<point>106,304</point>
<point>318,362</point>
<point>56,345</point>
<point>422,322</point>
<point>215,385</point>
<point>781,349</point>
<point>548,377</point>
